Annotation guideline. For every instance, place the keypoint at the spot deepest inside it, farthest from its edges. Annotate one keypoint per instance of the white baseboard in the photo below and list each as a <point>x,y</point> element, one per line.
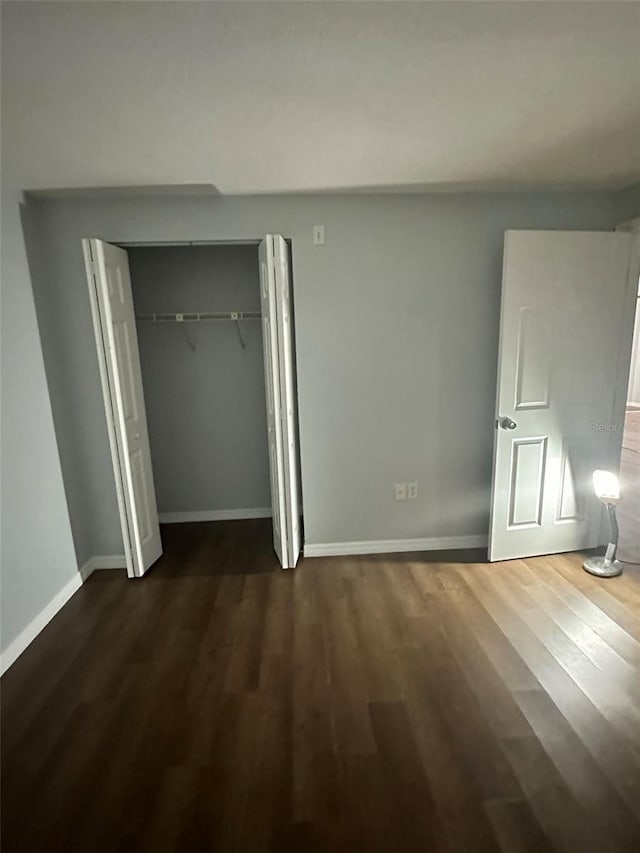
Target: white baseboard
<point>26,637</point>
<point>103,561</point>
<point>394,546</point>
<point>215,515</point>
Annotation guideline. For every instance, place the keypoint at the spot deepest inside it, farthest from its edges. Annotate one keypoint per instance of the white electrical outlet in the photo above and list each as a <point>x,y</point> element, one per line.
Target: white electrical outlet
<point>412,490</point>
<point>401,491</point>
<point>318,235</point>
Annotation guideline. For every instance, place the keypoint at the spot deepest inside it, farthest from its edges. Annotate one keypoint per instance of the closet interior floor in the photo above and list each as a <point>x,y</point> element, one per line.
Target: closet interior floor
<point>404,703</point>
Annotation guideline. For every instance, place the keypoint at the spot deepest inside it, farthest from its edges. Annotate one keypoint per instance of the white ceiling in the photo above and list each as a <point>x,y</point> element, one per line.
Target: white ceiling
<point>282,97</point>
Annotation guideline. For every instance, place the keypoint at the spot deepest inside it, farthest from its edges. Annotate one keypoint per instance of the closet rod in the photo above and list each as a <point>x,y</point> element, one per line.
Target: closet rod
<point>198,317</point>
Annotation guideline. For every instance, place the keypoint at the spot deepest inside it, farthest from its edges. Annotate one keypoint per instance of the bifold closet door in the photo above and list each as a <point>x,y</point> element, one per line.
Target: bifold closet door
<point>277,332</point>
<point>117,345</point>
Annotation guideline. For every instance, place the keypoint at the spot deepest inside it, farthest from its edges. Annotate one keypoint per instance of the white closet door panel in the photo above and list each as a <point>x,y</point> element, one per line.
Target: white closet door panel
<point>288,396</point>
<point>114,323</point>
<point>273,401</point>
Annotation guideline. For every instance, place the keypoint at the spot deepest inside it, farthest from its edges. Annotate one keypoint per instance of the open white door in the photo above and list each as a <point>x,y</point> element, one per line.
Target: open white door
<point>272,392</point>
<point>277,333</point>
<point>117,344</point>
<point>565,332</point>
<point>288,396</point>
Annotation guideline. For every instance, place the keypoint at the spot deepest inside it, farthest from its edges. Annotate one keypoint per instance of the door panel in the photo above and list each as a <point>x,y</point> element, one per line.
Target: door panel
<point>562,336</point>
<point>123,352</point>
<point>527,481</point>
<point>288,396</point>
<point>114,323</point>
<point>571,472</point>
<point>277,313</point>
<point>272,391</point>
<point>533,376</point>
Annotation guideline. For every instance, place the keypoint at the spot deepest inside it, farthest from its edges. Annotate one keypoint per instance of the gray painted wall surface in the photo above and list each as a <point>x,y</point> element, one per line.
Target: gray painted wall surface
<point>397,331</point>
<point>37,555</point>
<point>627,204</point>
<point>205,406</point>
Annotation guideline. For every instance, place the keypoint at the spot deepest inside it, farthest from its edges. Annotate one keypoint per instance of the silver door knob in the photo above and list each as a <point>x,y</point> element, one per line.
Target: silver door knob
<point>506,423</point>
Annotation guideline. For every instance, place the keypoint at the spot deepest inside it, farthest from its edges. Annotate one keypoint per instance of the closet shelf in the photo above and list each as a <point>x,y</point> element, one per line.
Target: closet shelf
<point>198,317</point>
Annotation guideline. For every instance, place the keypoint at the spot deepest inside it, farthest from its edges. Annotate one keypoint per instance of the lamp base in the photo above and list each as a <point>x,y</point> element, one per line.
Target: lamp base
<point>602,567</point>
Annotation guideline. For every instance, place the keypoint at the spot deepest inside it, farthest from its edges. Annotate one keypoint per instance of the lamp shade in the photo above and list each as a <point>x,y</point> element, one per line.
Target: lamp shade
<point>606,486</point>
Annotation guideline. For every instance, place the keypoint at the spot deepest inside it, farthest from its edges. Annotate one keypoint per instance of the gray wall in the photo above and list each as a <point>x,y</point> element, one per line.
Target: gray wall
<point>627,204</point>
<point>397,330</point>
<point>205,405</point>
<point>37,555</point>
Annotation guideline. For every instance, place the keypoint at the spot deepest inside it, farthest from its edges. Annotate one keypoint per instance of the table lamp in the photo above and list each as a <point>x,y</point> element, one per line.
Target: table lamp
<point>607,489</point>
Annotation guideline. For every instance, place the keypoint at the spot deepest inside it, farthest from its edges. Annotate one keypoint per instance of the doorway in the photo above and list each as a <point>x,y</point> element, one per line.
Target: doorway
<point>629,474</point>
<point>195,341</point>
<point>203,379</point>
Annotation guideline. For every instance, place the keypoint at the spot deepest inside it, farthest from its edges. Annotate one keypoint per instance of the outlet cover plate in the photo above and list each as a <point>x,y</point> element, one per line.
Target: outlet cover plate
<point>401,491</point>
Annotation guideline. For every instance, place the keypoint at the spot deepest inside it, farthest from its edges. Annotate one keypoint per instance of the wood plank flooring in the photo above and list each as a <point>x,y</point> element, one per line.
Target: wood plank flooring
<point>396,703</point>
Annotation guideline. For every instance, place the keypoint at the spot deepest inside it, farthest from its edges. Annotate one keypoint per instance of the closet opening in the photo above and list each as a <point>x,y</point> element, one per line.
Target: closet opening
<point>197,355</point>
<point>629,469</point>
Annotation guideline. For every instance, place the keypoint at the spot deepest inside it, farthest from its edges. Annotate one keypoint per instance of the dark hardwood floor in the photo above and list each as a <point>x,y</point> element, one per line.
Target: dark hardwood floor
<point>405,703</point>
